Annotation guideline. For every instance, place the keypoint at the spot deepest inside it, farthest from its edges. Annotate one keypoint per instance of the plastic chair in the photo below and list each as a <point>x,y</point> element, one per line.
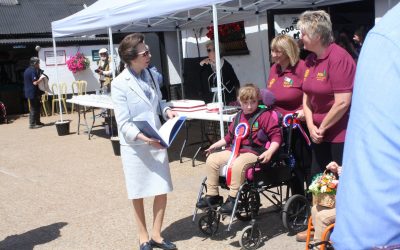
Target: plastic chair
<point>324,244</point>
<point>44,101</point>
<point>78,88</point>
<point>63,96</point>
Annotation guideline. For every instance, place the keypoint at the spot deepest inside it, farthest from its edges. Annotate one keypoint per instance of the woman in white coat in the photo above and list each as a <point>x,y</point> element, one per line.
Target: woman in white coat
<point>136,96</point>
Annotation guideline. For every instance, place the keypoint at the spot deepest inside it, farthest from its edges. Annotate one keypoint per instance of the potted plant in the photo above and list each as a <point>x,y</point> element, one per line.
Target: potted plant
<point>78,62</point>
<point>231,35</point>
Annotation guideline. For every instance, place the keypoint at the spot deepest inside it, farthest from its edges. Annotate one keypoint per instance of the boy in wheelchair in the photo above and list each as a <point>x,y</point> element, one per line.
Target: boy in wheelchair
<point>244,146</point>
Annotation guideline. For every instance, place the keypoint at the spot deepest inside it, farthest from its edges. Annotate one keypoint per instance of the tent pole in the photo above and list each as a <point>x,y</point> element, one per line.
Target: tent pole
<point>58,81</point>
<point>110,36</point>
<point>262,49</point>
<point>179,40</point>
<point>218,69</point>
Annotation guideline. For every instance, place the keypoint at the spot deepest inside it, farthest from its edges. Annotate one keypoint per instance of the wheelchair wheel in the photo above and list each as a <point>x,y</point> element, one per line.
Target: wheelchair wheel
<point>251,237</point>
<point>295,214</point>
<point>249,203</point>
<point>209,223</point>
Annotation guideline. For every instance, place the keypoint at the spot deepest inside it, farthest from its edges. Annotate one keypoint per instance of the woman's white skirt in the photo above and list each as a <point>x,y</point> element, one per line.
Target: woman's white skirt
<point>146,171</point>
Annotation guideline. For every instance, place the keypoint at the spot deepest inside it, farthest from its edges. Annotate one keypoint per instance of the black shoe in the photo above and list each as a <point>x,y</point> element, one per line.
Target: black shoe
<point>146,246</point>
<point>35,126</point>
<point>40,123</point>
<point>213,200</point>
<point>165,244</point>
<point>227,207</point>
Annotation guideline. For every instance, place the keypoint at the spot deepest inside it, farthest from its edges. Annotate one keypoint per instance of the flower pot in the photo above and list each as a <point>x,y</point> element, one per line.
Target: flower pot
<point>62,127</point>
<point>116,146</point>
<point>235,45</point>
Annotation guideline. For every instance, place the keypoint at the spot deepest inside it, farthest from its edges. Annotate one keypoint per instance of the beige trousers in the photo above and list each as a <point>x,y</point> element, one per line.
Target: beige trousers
<point>219,159</point>
<point>322,217</point>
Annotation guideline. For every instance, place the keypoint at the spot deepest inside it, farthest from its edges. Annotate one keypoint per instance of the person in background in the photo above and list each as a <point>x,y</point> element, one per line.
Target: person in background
<point>285,82</point>
<point>344,42</point>
<point>159,76</point>
<point>252,148</point>
<point>368,200</point>
<point>104,70</point>
<point>136,96</point>
<point>327,90</point>
<point>358,38</point>
<point>32,78</point>
<point>322,216</point>
<point>229,80</point>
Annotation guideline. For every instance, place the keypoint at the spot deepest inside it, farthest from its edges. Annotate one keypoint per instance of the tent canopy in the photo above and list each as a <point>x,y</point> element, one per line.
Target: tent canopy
<point>155,15</point>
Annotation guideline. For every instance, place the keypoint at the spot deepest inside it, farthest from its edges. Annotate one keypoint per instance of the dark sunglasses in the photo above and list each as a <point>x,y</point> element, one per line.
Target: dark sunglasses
<point>210,50</point>
<point>144,53</point>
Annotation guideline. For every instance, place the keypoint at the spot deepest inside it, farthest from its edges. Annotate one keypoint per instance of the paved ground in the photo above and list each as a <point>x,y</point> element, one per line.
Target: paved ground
<point>68,192</point>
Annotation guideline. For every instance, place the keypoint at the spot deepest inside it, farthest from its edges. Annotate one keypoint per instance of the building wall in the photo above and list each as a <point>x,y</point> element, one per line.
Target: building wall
<point>89,75</point>
<point>171,49</point>
<point>65,75</point>
<point>382,6</point>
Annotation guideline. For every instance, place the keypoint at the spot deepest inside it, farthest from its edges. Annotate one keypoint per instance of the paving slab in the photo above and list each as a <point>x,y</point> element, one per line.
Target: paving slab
<point>68,192</point>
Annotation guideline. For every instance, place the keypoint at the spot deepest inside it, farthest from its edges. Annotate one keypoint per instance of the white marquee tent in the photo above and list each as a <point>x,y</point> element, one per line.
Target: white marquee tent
<point>168,15</point>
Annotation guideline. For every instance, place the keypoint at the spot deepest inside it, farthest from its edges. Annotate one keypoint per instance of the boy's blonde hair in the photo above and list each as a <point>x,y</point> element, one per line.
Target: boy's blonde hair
<point>249,92</point>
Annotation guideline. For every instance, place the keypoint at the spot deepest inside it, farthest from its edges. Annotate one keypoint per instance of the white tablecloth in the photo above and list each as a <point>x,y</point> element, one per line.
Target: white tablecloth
<point>209,116</point>
<point>98,101</point>
<point>104,101</point>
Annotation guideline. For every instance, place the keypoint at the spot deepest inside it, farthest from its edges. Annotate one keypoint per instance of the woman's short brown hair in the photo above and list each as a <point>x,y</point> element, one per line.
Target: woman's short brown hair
<point>249,92</point>
<point>128,47</point>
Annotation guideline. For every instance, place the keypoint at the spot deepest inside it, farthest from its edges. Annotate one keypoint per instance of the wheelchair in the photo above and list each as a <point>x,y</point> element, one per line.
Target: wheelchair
<point>267,180</point>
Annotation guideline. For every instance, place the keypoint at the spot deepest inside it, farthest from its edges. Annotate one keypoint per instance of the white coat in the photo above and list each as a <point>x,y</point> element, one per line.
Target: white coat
<point>146,168</point>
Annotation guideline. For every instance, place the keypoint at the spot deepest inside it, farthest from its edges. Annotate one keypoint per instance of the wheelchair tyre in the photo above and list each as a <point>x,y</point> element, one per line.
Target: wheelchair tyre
<point>249,204</point>
<point>251,237</point>
<point>209,223</point>
<point>296,213</point>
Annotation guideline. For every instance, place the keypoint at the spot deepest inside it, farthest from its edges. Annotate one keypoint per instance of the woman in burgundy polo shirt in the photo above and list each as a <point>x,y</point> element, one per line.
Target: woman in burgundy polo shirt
<point>327,87</point>
<point>285,82</point>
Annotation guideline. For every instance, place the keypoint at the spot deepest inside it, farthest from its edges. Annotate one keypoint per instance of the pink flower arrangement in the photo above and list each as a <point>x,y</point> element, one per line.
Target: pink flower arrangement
<point>78,62</point>
<point>227,32</point>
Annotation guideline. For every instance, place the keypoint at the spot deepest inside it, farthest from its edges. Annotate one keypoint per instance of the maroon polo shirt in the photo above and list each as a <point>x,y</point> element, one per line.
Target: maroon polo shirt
<point>333,73</point>
<point>287,87</point>
<point>266,121</point>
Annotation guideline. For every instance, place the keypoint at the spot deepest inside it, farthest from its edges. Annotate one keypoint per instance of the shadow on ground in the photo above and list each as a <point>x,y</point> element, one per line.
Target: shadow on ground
<point>269,221</point>
<point>37,236</point>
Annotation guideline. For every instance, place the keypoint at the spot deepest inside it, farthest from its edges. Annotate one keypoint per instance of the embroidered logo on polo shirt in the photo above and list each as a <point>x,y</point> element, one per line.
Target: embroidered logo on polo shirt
<point>271,82</point>
<point>321,76</point>
<point>306,73</point>
<point>287,82</point>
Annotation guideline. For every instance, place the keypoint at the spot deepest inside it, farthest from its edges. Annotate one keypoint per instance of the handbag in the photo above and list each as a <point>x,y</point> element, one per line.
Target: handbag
<point>325,200</point>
